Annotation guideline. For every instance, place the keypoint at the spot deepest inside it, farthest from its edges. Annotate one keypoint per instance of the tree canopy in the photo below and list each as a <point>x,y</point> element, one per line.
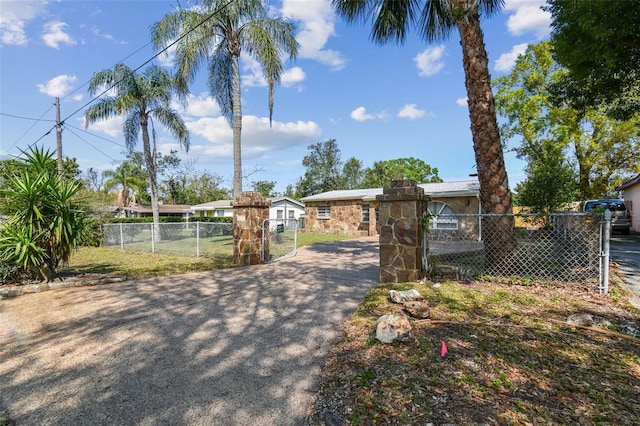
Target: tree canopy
<point>603,149</point>
<point>598,41</point>
<point>383,172</point>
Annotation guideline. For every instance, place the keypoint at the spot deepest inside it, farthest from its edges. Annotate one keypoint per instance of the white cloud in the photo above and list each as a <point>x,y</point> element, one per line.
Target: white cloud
<point>506,61</point>
<point>96,31</point>
<point>14,16</point>
<point>258,138</point>
<point>54,35</point>
<point>463,102</point>
<point>77,97</point>
<point>360,114</point>
<point>111,126</point>
<point>430,62</point>
<point>202,105</point>
<point>411,111</point>
<point>293,76</point>
<point>58,86</point>
<point>526,16</point>
<point>315,21</point>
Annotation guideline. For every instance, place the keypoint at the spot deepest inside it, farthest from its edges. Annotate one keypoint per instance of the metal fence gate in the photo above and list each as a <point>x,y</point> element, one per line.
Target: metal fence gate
<point>279,239</point>
<point>564,247</point>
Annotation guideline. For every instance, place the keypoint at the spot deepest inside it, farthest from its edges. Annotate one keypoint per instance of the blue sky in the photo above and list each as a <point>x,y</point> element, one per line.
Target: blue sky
<point>377,102</point>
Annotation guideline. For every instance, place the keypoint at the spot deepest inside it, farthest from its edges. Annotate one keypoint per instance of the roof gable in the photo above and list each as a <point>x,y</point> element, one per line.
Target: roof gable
<point>627,184</point>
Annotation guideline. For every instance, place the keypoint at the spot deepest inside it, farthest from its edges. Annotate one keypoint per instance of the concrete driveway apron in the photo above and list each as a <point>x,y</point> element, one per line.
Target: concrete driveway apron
<point>625,251</point>
<point>242,346</point>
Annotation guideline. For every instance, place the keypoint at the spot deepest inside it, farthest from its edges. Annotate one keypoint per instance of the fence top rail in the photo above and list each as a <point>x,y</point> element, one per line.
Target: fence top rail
<point>515,214</point>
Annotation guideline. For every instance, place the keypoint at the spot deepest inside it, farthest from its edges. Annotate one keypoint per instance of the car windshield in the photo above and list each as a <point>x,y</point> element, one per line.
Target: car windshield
<point>610,205</point>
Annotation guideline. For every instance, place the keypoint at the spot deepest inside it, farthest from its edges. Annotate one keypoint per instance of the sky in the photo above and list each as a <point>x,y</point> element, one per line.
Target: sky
<point>379,102</point>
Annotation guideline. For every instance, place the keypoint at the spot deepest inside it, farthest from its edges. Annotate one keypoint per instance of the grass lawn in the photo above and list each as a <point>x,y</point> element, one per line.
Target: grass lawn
<point>512,360</point>
<point>134,264</point>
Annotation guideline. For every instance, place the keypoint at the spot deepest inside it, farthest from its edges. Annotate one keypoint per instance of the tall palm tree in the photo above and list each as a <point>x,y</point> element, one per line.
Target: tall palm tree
<point>434,21</point>
<point>217,33</point>
<point>140,98</point>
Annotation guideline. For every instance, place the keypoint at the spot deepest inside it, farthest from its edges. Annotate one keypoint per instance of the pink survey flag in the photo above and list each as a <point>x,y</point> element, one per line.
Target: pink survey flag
<point>443,349</point>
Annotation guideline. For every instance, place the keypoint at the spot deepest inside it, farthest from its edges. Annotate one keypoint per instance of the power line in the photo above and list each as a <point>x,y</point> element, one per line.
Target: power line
<point>31,127</point>
<point>94,135</point>
<point>92,146</point>
<point>23,118</point>
<point>211,15</point>
<point>62,122</point>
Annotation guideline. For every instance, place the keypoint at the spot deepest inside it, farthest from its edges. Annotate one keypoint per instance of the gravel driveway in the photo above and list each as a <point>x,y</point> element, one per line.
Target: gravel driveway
<point>231,347</point>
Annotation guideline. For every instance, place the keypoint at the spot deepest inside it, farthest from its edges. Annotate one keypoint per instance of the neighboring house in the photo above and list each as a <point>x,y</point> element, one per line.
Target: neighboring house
<point>285,208</point>
<point>355,211</point>
<point>220,208</point>
<point>631,196</point>
<point>183,210</point>
<point>281,208</point>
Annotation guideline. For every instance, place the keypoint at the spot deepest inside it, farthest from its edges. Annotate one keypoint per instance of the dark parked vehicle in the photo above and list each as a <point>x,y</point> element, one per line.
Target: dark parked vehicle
<point>620,216</point>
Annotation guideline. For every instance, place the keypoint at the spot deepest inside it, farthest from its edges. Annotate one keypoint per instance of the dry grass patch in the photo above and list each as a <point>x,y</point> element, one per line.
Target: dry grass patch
<point>512,360</point>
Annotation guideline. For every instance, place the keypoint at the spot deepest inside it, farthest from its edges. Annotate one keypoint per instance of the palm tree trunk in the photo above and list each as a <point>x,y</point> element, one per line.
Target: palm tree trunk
<point>153,179</point>
<point>498,233</point>
<point>237,126</point>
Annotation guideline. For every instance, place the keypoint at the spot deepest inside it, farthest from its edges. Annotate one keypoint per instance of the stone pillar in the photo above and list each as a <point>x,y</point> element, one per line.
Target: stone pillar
<point>249,212</point>
<point>401,235</point>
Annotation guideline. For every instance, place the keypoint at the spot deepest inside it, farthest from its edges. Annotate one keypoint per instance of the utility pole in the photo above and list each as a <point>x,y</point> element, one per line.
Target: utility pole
<point>58,135</point>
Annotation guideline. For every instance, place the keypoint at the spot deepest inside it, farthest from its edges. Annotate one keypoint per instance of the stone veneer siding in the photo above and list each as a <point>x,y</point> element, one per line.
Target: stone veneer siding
<point>249,212</point>
<point>346,218</point>
<point>467,226</point>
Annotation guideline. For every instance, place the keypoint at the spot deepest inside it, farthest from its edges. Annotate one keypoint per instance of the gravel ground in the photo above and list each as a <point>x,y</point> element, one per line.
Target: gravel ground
<point>233,347</point>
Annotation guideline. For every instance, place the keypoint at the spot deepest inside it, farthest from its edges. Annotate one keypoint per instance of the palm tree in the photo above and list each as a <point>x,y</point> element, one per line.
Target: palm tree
<point>139,99</point>
<point>434,20</point>
<point>217,33</point>
<point>126,176</point>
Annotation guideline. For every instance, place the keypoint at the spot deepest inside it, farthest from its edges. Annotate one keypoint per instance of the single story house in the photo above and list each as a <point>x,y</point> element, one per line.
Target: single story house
<point>631,196</point>
<point>281,208</point>
<point>354,211</point>
<point>140,210</point>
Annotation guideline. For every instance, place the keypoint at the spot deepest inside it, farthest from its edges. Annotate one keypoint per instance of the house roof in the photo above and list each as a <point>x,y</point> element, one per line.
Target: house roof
<point>275,200</point>
<point>163,208</point>
<point>627,184</point>
<point>226,204</point>
<point>438,189</point>
<point>213,205</point>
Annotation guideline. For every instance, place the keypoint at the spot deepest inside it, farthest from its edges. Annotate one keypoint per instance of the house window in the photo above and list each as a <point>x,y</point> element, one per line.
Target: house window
<point>441,216</point>
<point>365,213</point>
<point>324,212</point>
<point>291,214</point>
<point>279,214</point>
<point>219,213</point>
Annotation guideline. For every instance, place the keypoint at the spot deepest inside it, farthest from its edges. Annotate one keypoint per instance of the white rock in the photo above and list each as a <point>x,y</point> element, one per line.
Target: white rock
<point>404,296</point>
<point>392,327</point>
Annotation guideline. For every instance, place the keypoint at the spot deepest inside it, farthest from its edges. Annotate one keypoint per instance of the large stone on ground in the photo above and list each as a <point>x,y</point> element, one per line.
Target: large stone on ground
<point>404,296</point>
<point>392,327</point>
<point>417,309</point>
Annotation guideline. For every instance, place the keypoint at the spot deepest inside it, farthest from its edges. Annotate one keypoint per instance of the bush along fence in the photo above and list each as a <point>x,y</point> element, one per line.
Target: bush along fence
<point>176,238</point>
<point>563,247</point>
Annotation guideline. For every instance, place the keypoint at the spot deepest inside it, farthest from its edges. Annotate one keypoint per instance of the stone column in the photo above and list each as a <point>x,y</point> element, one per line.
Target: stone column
<point>401,235</point>
<point>249,212</point>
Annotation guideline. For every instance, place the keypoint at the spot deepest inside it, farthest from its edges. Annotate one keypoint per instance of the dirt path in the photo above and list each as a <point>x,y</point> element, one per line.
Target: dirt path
<point>233,347</point>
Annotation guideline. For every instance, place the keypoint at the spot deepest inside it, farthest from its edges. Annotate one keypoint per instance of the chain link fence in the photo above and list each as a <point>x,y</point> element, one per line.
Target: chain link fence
<point>279,239</point>
<point>565,247</point>
<point>206,239</point>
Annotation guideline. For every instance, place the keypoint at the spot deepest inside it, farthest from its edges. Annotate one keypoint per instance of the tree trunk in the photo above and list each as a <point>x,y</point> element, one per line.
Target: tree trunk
<point>237,126</point>
<point>153,178</point>
<point>498,232</point>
